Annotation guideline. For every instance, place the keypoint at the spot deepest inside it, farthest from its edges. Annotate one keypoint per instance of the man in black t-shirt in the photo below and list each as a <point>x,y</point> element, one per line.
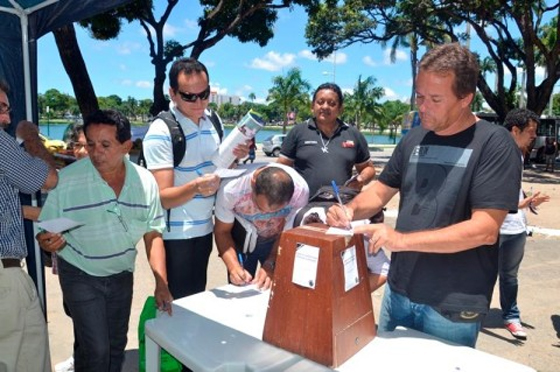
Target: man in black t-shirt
<point>457,178</point>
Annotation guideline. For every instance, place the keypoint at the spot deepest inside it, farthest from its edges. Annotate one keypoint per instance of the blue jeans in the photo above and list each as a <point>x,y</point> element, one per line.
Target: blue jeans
<point>398,310</point>
<point>100,308</point>
<point>259,255</point>
<point>511,250</point>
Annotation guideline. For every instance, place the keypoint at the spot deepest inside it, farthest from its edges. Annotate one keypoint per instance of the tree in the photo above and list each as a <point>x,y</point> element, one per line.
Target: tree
<point>246,20</point>
<point>252,97</point>
<point>362,103</point>
<point>393,116</point>
<point>75,67</point>
<point>410,41</point>
<point>495,23</point>
<point>288,92</point>
<point>58,103</point>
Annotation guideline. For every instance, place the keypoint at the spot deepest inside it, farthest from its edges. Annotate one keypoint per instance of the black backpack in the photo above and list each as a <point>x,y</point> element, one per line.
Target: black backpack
<point>178,136</point>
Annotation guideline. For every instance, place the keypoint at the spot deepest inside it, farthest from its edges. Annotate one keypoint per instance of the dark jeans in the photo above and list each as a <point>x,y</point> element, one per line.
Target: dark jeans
<point>511,251</point>
<point>187,265</point>
<point>100,308</point>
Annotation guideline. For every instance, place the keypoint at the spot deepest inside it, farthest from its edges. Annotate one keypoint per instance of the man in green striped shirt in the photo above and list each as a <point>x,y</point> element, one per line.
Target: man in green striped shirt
<point>117,204</point>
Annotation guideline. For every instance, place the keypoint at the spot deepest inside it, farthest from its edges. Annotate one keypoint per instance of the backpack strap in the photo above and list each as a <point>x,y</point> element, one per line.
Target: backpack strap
<point>217,122</point>
<point>178,141</point>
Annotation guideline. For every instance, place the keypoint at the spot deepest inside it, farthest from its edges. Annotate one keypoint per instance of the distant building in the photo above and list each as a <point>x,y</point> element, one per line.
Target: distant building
<point>220,99</point>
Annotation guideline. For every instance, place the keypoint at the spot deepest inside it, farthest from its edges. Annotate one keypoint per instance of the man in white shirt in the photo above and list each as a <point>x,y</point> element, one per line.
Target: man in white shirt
<point>264,200</point>
<point>522,125</point>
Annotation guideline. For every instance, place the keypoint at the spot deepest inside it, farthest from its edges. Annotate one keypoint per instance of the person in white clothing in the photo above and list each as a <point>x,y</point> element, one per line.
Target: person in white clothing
<point>189,189</point>
<point>262,200</point>
<point>522,124</point>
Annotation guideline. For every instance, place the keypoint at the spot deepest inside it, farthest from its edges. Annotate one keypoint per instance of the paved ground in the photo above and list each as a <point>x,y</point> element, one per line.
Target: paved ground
<point>539,297</point>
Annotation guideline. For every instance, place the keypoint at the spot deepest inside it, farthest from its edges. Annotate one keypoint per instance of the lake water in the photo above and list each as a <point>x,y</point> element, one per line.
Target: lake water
<point>57,132</point>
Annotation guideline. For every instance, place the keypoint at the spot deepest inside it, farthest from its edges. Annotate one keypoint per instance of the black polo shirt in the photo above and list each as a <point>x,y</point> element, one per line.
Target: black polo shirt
<point>304,145</point>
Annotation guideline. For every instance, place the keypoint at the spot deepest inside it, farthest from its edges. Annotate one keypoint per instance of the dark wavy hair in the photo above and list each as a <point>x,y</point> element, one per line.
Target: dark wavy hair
<point>110,117</point>
<point>520,118</point>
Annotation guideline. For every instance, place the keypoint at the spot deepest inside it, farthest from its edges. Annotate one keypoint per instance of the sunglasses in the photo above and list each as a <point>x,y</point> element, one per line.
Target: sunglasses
<point>192,97</point>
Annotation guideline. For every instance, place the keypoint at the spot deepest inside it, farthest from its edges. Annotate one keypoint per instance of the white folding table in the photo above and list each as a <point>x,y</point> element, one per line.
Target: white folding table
<point>221,330</point>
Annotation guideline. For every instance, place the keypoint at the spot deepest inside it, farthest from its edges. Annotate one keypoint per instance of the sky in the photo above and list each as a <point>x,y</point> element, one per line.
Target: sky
<point>123,67</point>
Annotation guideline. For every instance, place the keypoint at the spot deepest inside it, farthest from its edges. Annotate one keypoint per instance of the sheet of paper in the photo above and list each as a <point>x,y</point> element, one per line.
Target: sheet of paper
<point>229,173</point>
<point>350,263</point>
<point>305,266</point>
<point>340,231</point>
<point>59,225</point>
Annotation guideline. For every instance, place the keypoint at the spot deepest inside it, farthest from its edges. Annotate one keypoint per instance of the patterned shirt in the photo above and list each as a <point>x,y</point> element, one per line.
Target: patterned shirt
<point>235,198</point>
<point>105,243</point>
<point>19,172</point>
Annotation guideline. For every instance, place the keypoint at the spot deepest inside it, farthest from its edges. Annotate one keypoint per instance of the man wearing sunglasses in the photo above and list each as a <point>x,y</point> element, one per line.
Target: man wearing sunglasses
<point>189,189</point>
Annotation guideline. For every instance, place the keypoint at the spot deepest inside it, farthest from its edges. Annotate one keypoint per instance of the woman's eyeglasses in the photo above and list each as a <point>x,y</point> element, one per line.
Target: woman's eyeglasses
<point>4,108</point>
<point>192,97</point>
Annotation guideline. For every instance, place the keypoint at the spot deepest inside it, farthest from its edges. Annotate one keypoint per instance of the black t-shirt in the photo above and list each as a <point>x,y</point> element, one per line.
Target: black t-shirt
<point>346,148</point>
<point>441,179</point>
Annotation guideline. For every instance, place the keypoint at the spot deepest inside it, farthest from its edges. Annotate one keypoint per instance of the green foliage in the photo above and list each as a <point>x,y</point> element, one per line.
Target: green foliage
<point>361,106</point>
<point>514,33</point>
<point>289,93</point>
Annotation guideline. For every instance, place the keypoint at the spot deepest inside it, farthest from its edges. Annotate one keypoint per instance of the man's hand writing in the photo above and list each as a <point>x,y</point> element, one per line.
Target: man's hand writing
<point>339,216</point>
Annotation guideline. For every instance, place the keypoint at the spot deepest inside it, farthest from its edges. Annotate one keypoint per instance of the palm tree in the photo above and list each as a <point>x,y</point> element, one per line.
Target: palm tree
<point>252,97</point>
<point>362,102</point>
<point>287,92</point>
<point>408,41</point>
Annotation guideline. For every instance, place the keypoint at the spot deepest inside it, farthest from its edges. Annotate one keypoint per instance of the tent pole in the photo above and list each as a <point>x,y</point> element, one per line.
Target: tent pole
<point>38,269</point>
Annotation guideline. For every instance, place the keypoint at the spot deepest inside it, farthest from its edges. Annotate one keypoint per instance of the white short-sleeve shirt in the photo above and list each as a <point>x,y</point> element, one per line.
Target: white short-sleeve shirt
<point>194,218</point>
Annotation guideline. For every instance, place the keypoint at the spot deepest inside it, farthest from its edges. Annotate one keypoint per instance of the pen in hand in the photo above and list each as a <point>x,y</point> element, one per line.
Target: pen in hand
<point>337,194</point>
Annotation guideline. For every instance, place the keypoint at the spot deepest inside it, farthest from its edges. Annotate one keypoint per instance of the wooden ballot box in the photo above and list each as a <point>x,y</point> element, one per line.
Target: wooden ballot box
<point>326,316</point>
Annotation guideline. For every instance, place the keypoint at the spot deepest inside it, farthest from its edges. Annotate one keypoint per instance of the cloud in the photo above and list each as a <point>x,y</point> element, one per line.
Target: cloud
<point>170,31</point>
<point>307,54</point>
<point>191,24</point>
<point>128,47</point>
<point>338,58</point>
<point>273,61</point>
<point>400,55</point>
<point>368,61</point>
<point>144,84</point>
<point>215,87</point>
<point>390,94</point>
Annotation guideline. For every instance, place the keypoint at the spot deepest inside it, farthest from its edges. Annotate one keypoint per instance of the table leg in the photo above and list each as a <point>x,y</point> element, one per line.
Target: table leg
<point>153,355</point>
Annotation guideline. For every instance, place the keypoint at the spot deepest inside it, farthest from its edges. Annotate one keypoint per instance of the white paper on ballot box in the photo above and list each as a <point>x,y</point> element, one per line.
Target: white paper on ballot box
<point>245,130</point>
